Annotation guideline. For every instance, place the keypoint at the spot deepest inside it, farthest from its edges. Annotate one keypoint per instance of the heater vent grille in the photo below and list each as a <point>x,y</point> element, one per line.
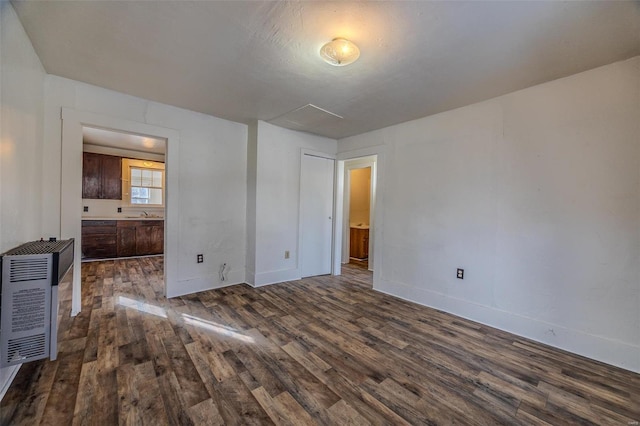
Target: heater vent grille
<point>28,269</point>
<point>26,348</point>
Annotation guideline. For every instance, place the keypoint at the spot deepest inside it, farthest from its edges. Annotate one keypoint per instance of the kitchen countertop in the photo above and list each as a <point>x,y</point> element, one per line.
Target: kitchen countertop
<point>121,218</point>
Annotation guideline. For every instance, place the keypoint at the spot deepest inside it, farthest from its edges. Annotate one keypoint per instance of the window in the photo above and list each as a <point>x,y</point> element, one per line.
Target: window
<point>143,182</point>
<point>146,186</point>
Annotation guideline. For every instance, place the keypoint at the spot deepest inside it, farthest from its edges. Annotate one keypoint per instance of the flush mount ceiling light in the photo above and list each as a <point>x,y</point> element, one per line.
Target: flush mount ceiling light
<point>340,52</point>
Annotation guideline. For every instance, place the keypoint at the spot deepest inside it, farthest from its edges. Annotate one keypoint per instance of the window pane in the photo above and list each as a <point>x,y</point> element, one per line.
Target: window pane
<point>146,196</point>
<point>137,192</point>
<point>147,177</point>
<point>155,196</point>
<point>139,195</point>
<point>157,179</point>
<point>136,177</point>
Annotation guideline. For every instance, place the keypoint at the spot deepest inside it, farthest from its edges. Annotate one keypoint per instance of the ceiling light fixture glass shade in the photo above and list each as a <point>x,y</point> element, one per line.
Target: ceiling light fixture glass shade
<point>340,52</point>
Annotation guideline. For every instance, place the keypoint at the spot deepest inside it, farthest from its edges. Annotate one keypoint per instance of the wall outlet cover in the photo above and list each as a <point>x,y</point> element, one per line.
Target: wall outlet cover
<point>286,254</point>
<point>119,209</point>
<point>85,209</point>
<point>200,258</point>
<point>460,274</point>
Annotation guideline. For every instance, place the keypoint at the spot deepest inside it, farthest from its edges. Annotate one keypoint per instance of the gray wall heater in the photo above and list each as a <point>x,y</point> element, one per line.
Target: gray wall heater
<point>29,300</point>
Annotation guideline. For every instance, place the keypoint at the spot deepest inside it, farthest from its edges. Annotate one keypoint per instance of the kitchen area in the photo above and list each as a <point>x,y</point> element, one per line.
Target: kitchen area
<point>123,181</point>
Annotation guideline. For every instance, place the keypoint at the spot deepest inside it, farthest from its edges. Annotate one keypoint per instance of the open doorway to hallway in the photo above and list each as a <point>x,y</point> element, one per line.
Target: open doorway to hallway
<point>358,223</point>
<point>359,214</point>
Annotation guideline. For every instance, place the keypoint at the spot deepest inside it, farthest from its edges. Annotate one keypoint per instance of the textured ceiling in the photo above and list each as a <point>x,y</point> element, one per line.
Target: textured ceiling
<point>247,60</point>
<point>120,140</point>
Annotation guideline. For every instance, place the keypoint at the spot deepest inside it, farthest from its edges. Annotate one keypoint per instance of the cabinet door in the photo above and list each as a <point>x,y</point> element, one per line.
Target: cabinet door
<point>157,239</point>
<point>143,240</point>
<point>98,238</point>
<point>111,177</point>
<point>359,243</point>
<point>365,244</point>
<point>354,247</point>
<point>126,241</point>
<point>91,175</point>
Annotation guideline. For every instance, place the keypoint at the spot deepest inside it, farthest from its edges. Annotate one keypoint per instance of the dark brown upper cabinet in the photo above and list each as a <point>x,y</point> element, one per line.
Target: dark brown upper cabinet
<point>101,176</point>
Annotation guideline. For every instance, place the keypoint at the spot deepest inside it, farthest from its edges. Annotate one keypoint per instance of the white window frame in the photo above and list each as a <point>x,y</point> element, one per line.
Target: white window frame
<point>127,165</point>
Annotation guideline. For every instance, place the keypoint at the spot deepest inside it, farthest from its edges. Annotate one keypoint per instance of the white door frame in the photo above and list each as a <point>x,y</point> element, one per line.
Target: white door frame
<point>377,235</point>
<point>71,188</point>
<point>354,164</point>
<point>320,154</point>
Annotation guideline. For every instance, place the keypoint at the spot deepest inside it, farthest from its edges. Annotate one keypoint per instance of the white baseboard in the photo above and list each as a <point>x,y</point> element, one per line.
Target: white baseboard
<point>599,348</point>
<point>274,277</point>
<point>208,282</point>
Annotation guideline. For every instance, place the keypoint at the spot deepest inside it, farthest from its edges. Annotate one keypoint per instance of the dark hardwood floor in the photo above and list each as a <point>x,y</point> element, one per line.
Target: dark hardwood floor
<point>324,350</point>
<point>356,263</point>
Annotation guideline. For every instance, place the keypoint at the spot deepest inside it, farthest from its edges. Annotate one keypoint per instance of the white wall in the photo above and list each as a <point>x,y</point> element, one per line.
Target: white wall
<point>21,133</point>
<point>535,194</point>
<point>212,177</point>
<point>21,98</point>
<point>277,189</point>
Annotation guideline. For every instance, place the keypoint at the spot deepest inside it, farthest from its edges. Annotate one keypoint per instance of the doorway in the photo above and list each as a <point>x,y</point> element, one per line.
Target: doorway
<point>358,212</point>
<point>123,194</point>
<point>359,215</point>
<point>71,189</point>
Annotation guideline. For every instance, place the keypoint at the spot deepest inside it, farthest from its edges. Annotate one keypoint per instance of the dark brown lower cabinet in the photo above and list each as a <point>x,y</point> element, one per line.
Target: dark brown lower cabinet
<point>359,243</point>
<point>157,239</point>
<point>122,238</point>
<point>98,246</point>
<point>143,239</point>
<point>126,238</point>
<point>99,238</point>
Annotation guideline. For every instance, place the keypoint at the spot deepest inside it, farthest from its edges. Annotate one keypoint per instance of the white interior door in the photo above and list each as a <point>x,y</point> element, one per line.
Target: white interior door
<point>316,215</point>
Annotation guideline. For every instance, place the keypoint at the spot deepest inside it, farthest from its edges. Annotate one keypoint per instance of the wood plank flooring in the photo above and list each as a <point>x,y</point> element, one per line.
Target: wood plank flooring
<point>324,350</point>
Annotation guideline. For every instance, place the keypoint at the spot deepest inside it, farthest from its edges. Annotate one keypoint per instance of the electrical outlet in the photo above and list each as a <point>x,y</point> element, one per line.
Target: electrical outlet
<point>286,254</point>
<point>85,209</point>
<point>200,258</point>
<point>119,209</point>
<point>460,274</point>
